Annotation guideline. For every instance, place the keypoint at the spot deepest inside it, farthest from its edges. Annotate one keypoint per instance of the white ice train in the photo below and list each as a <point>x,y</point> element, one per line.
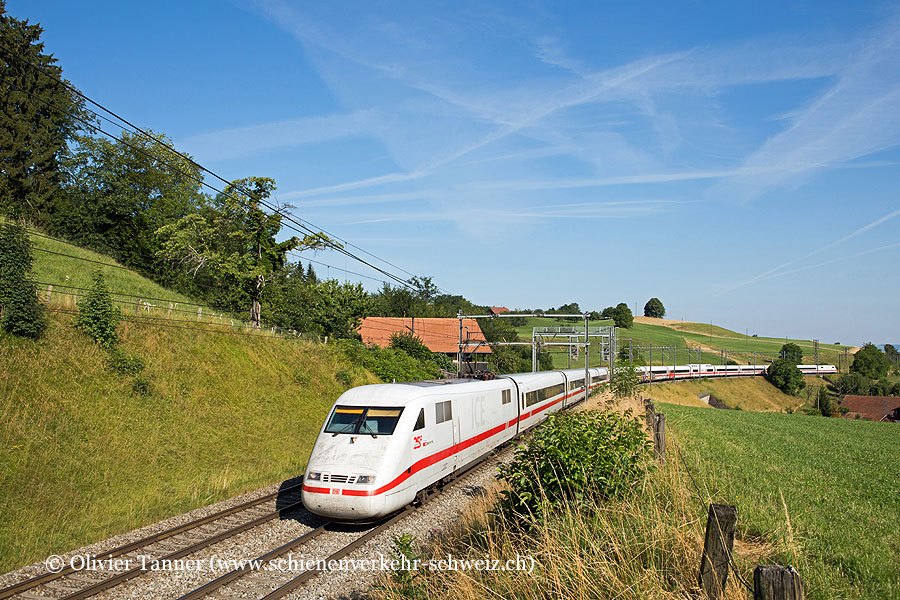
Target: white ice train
<point>384,444</point>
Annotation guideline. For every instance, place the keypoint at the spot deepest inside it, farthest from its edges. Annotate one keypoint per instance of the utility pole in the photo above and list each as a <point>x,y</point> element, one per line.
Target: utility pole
<point>587,379</point>
<point>460,353</point>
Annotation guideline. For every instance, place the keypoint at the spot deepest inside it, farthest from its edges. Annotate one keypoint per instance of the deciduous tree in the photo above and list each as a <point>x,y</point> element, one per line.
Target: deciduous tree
<point>792,352</point>
<point>870,362</point>
<point>654,308</point>
<point>233,237</point>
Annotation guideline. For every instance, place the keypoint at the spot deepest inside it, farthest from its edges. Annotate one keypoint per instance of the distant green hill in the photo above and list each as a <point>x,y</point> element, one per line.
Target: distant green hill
<point>708,340</point>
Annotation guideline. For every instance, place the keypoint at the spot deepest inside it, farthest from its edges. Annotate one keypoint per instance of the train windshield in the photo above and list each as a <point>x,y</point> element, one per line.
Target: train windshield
<point>363,420</point>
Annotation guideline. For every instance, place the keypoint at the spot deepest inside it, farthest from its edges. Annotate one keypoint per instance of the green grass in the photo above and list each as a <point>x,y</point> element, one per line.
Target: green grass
<point>839,482</point>
<point>711,339</point>
<point>85,456</point>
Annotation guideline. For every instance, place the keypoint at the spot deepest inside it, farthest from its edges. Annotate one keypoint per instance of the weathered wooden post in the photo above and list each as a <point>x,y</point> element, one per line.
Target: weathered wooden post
<point>169,314</point>
<point>137,307</point>
<point>49,292</point>
<point>717,549</point>
<point>659,437</point>
<point>199,312</point>
<point>773,582</point>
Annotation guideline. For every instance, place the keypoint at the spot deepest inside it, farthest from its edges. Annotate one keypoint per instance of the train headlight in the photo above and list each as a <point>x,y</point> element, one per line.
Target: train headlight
<point>313,476</point>
<point>365,479</point>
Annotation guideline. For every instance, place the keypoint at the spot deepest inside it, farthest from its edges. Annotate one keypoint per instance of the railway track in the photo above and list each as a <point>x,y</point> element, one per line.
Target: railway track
<point>170,544</point>
<point>342,540</point>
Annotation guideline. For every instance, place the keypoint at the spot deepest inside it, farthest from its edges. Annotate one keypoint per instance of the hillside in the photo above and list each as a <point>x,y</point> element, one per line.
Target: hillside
<point>744,393</point>
<point>820,486</point>
<point>89,453</point>
<point>710,340</point>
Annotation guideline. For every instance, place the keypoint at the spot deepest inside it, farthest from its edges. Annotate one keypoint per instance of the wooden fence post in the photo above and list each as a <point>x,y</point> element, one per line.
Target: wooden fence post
<point>169,314</point>
<point>773,582</point>
<point>49,292</point>
<point>199,312</point>
<point>717,549</point>
<point>659,437</point>
<point>137,307</point>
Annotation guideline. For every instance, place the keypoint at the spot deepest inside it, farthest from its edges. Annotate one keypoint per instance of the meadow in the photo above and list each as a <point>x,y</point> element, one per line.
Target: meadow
<point>824,490</point>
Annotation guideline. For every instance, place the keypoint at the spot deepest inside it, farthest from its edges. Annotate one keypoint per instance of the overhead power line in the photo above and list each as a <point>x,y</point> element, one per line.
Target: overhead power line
<point>299,225</point>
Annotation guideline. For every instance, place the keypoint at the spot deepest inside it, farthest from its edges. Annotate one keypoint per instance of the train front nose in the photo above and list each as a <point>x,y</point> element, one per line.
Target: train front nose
<point>334,495</point>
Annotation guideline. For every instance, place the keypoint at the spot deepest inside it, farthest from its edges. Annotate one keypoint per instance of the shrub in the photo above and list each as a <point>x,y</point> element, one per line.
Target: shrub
<point>22,312</point>
<point>411,344</point>
<point>442,361</point>
<point>395,365</point>
<point>574,456</point>
<point>344,377</point>
<point>626,380</point>
<point>97,315</point>
<point>142,385</point>
<point>125,364</point>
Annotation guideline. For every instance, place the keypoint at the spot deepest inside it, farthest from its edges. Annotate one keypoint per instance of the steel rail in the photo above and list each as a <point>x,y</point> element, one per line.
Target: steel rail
<point>145,541</point>
<point>130,574</point>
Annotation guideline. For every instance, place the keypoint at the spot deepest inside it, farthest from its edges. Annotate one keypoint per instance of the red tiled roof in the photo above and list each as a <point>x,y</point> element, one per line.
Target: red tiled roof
<point>439,335</point>
<point>499,309</point>
<point>872,408</point>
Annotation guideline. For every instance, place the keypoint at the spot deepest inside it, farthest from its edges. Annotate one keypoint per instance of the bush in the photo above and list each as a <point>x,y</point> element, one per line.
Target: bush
<point>22,312</point>
<point>97,315</point>
<point>626,380</point>
<point>442,361</point>
<point>125,364</point>
<point>395,365</point>
<point>142,385</point>
<point>573,456</point>
<point>344,377</point>
<point>785,375</point>
<point>410,344</point>
<point>870,362</point>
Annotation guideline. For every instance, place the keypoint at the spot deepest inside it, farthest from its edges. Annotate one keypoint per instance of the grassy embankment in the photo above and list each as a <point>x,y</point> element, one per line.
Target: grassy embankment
<point>836,480</point>
<point>710,339</point>
<point>86,455</point>
<point>744,393</point>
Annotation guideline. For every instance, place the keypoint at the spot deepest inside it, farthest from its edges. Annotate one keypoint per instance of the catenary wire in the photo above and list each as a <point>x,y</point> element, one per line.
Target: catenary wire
<point>295,220</point>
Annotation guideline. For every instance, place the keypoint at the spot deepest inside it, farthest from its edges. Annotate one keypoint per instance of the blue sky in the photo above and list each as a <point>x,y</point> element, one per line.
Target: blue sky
<point>739,161</point>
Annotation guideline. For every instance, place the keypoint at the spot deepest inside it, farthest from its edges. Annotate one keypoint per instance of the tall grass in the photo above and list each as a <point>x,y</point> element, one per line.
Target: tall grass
<point>645,546</point>
<point>85,454</point>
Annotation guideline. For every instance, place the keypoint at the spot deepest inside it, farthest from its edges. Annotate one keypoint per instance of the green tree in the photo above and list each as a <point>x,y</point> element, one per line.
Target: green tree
<point>608,313</point>
<point>792,352</point>
<point>654,308</point>
<point>785,375</point>
<point>21,313</point>
<point>870,362</point>
<point>97,315</point>
<point>827,406</point>
<point>233,238</point>
<point>853,383</point>
<point>622,316</point>
<point>119,193</point>
<point>510,359</point>
<point>892,355</point>
<point>33,134</point>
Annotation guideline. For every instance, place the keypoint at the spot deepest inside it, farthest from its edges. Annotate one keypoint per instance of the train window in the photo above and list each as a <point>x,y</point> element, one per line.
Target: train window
<point>420,422</point>
<point>578,383</point>
<point>506,397</point>
<point>544,394</point>
<point>363,420</point>
<point>442,412</point>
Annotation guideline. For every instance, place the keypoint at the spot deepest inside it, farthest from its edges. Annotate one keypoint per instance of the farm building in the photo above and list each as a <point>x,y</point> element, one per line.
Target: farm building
<point>872,408</point>
<point>439,335</point>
